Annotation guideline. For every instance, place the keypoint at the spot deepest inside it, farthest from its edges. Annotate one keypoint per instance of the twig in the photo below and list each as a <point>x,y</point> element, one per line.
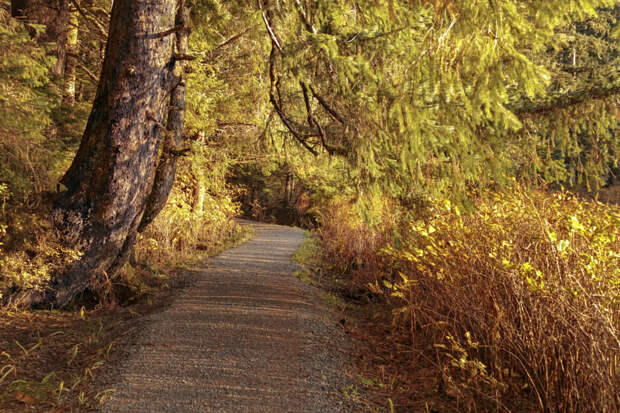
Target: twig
<point>327,107</point>
<point>181,56</point>
<point>274,39</point>
<point>304,17</point>
<point>90,74</point>
<point>102,30</point>
<point>234,38</point>
<point>168,32</point>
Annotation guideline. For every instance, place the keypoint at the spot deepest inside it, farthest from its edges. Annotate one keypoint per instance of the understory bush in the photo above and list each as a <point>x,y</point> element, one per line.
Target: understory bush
<point>519,299</point>
<point>30,252</point>
<point>199,212</point>
<point>180,230</point>
<point>197,221</point>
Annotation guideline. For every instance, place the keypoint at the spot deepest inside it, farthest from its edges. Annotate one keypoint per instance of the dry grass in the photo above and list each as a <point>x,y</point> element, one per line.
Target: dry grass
<point>516,305</point>
<point>50,359</point>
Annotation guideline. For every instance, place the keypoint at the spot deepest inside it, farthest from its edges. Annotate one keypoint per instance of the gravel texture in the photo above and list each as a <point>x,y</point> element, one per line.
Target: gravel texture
<point>246,336</point>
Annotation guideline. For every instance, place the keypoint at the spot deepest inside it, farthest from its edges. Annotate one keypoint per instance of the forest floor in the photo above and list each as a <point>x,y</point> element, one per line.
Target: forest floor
<point>238,333</point>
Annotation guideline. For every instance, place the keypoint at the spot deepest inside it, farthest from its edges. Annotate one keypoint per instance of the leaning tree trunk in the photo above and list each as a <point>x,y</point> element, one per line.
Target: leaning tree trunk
<point>111,177</point>
<point>166,168</point>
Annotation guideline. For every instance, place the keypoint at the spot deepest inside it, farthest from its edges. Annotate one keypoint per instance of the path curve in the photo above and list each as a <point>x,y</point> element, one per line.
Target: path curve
<point>247,336</point>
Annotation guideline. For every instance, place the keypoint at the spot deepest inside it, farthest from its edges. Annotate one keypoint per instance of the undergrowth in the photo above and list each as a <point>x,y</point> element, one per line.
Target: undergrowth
<point>514,305</point>
<point>49,359</point>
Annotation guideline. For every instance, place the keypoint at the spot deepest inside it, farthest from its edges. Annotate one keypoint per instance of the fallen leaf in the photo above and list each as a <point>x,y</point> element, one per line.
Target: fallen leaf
<point>25,398</point>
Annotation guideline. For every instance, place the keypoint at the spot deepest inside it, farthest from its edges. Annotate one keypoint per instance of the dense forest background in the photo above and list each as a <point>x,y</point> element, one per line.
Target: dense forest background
<point>440,150</point>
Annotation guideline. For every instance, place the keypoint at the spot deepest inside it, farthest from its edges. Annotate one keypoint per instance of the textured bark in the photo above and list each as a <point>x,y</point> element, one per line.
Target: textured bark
<point>166,168</point>
<point>199,193</point>
<point>111,177</point>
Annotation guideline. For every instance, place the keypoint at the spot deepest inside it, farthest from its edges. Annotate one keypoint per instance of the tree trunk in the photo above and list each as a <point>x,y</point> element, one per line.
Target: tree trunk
<point>70,64</point>
<point>111,177</point>
<point>166,168</point>
<point>199,193</point>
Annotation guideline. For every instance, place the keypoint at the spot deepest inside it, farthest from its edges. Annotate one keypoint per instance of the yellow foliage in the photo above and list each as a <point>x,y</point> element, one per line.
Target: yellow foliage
<point>521,296</point>
<point>30,254</point>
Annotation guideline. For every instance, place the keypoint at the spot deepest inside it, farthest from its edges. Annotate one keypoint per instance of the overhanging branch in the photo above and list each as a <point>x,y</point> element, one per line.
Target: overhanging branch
<point>327,106</point>
<point>278,107</point>
<point>564,100</point>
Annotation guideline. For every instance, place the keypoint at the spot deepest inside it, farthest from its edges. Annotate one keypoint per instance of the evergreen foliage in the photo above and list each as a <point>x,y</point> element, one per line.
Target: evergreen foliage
<point>27,100</point>
<point>369,119</point>
<point>449,95</point>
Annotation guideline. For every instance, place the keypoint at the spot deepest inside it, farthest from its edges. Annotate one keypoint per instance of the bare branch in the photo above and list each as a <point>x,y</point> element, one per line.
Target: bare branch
<point>181,56</point>
<point>274,39</point>
<point>314,123</point>
<point>92,19</point>
<point>327,107</point>
<point>234,38</point>
<point>168,32</point>
<point>304,17</point>
<point>90,74</point>
<point>274,102</point>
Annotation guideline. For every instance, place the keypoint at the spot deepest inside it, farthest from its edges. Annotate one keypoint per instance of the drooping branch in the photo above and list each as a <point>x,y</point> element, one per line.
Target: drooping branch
<point>311,121</point>
<point>563,100</point>
<point>276,48</point>
<point>315,124</point>
<point>278,107</point>
<point>327,106</point>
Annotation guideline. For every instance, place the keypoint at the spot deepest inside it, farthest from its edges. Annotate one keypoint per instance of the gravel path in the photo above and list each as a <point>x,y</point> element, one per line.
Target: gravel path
<point>247,336</point>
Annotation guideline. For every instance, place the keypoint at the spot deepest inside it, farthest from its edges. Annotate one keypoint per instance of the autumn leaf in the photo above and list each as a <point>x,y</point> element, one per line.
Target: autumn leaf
<point>25,398</point>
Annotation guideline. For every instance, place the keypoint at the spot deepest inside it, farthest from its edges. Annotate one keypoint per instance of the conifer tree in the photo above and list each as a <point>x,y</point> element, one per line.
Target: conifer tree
<point>432,96</point>
<point>111,178</point>
<point>54,16</point>
<point>439,96</point>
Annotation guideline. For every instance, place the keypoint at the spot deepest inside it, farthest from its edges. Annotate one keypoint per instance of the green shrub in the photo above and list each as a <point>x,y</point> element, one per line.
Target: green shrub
<point>198,215</point>
<point>29,159</point>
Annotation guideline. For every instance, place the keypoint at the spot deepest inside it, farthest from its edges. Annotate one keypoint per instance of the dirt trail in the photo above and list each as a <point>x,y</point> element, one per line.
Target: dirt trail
<point>247,336</point>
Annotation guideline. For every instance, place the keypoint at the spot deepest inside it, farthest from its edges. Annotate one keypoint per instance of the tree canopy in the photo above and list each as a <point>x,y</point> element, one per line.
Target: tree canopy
<point>413,99</point>
<point>449,95</point>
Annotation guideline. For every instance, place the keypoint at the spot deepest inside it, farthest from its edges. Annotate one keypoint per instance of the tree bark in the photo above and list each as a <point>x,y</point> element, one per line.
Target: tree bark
<point>111,177</point>
<point>166,168</point>
<point>71,60</point>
